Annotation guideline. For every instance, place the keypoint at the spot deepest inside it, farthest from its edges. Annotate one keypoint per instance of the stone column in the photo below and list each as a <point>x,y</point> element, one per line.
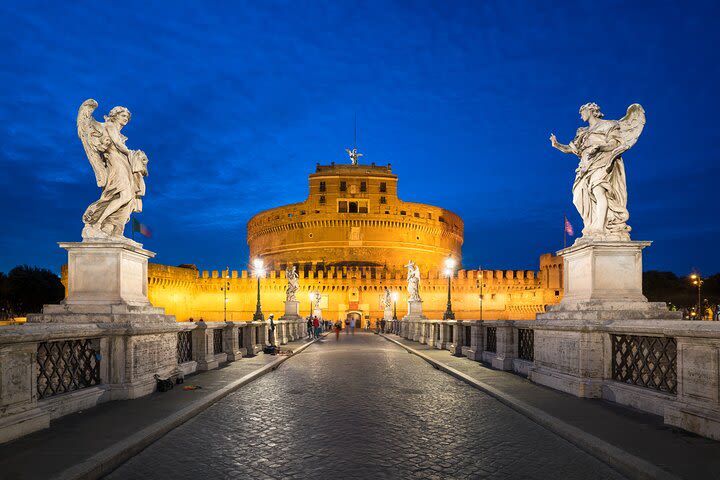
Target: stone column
<point>203,353</point>
<point>506,350</point>
<point>232,342</point>
<point>474,352</point>
<point>283,333</point>
<point>458,335</point>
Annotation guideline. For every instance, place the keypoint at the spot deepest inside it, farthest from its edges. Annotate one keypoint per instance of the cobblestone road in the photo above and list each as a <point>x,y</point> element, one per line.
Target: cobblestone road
<point>360,408</point>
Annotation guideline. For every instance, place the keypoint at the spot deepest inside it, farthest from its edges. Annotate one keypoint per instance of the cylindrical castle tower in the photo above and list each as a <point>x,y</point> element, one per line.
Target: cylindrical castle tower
<point>353,217</point>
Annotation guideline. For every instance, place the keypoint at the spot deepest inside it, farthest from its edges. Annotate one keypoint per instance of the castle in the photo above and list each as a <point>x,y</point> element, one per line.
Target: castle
<point>349,240</point>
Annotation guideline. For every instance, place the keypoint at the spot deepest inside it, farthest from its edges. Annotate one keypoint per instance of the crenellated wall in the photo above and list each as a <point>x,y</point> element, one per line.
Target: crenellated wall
<point>508,294</point>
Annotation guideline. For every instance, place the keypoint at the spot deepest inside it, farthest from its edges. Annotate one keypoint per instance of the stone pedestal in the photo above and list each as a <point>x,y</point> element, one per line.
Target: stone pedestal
<point>110,275</point>
<point>414,311</point>
<point>292,311</point>
<point>107,284</point>
<point>388,314</point>
<point>603,283</point>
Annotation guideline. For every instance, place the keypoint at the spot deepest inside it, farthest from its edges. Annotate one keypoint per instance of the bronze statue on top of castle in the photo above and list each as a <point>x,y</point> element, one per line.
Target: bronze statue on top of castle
<point>292,284</point>
<point>413,279</point>
<point>119,171</point>
<point>600,190</point>
<point>354,155</point>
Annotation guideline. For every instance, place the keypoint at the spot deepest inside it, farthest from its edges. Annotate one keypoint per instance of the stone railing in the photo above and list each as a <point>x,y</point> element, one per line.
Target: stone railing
<point>668,368</point>
<point>49,370</point>
<point>504,344</point>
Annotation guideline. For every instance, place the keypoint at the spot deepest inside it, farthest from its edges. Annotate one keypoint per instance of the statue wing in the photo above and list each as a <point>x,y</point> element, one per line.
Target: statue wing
<point>631,126</point>
<point>91,135</point>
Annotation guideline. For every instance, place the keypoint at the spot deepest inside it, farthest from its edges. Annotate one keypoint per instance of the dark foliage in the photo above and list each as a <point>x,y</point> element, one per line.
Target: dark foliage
<point>668,287</point>
<point>26,289</point>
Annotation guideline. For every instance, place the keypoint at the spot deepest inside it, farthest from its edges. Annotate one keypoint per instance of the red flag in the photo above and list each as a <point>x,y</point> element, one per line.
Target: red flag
<point>568,228</point>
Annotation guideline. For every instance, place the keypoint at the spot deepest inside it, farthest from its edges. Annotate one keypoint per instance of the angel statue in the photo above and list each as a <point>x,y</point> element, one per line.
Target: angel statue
<point>599,191</point>
<point>119,171</point>
<point>292,285</point>
<point>354,155</point>
<point>386,299</point>
<point>413,279</point>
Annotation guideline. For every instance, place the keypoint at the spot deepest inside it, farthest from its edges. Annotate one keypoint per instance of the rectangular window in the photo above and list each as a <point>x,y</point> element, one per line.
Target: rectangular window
<point>403,212</point>
<point>363,186</point>
<point>416,214</point>
<point>322,186</point>
<point>322,199</point>
<point>363,207</point>
<point>342,206</point>
<point>353,207</point>
<point>383,187</point>
<point>343,186</point>
<point>429,216</point>
<point>383,200</point>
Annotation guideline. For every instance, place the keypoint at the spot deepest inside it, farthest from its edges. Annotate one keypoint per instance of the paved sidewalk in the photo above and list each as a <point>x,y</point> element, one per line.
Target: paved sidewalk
<point>80,445</point>
<point>642,435</point>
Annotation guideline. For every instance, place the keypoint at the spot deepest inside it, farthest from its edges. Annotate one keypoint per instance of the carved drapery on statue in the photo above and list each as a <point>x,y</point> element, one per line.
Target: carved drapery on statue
<point>413,280</point>
<point>119,171</point>
<point>600,190</point>
<point>292,284</point>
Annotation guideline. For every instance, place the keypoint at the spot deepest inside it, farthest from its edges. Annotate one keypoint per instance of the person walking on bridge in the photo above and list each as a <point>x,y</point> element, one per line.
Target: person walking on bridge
<point>309,326</point>
<point>337,327</point>
<point>316,326</point>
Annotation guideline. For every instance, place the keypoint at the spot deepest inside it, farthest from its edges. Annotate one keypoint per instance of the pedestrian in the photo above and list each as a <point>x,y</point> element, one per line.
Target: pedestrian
<point>347,326</point>
<point>352,326</point>
<point>316,326</point>
<point>271,329</point>
<point>382,325</point>
<point>309,326</point>
<point>338,327</point>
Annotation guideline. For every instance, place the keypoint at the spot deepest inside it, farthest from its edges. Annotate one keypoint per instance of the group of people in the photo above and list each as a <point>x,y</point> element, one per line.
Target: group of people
<point>314,326</point>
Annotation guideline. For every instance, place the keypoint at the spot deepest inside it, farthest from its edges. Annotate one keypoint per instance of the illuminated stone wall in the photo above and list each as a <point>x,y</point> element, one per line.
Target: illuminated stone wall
<point>515,295</point>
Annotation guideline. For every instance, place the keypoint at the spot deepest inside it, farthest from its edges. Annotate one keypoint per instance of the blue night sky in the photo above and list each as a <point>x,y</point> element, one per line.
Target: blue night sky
<point>234,106</point>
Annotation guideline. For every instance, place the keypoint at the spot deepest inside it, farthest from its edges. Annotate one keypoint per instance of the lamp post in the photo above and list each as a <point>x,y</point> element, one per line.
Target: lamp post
<point>258,271</point>
<point>449,266</point>
<point>697,280</point>
<point>394,298</point>
<point>225,288</point>
<point>480,274</point>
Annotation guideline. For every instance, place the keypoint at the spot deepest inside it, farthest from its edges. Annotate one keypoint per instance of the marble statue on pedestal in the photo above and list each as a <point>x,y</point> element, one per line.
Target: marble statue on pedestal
<point>386,299</point>
<point>413,279</point>
<point>292,285</point>
<point>600,191</point>
<point>119,171</point>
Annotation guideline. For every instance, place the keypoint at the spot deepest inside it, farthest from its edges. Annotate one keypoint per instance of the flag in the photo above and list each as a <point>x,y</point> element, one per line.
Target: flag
<point>141,229</point>
<point>568,228</point>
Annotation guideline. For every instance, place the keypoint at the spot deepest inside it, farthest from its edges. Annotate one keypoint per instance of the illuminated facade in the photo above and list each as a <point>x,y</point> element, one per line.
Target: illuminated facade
<point>349,240</point>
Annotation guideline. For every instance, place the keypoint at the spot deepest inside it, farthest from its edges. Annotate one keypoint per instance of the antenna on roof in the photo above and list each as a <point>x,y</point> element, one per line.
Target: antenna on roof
<point>353,154</point>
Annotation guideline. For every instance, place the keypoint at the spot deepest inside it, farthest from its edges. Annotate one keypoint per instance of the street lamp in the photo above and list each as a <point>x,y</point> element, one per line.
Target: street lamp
<point>258,271</point>
<point>482,279</point>
<point>394,299</point>
<point>449,267</point>
<point>225,288</point>
<point>697,280</point>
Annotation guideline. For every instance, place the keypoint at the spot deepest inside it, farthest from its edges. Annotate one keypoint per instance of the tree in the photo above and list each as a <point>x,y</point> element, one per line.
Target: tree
<point>4,297</point>
<point>29,288</point>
